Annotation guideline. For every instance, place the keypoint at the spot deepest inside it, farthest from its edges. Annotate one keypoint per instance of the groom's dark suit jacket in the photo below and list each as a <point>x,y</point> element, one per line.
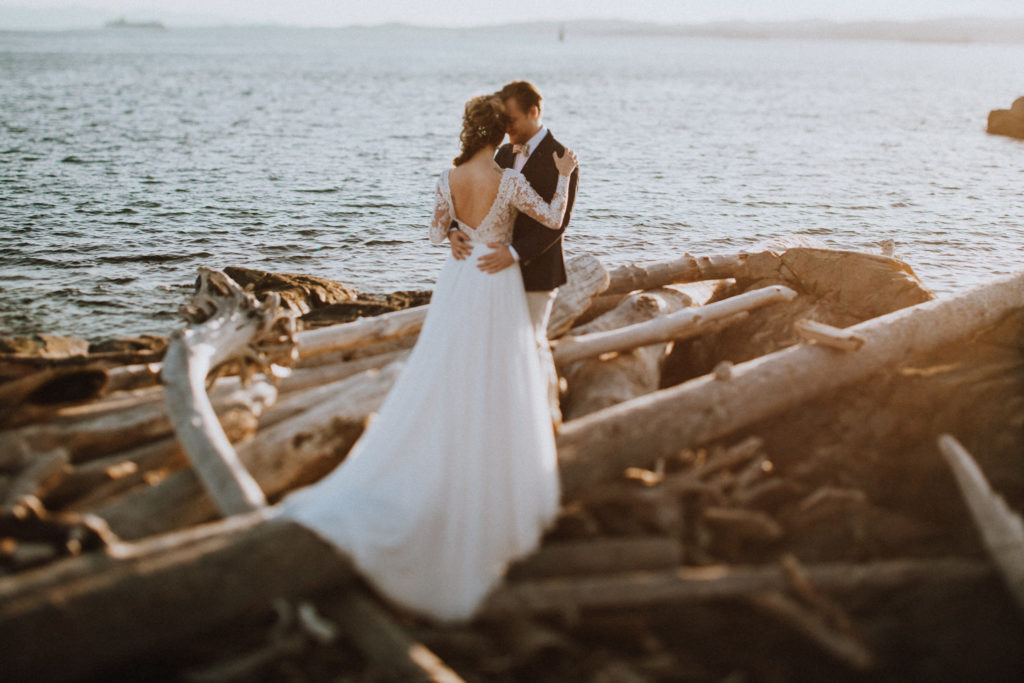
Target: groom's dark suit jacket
<point>540,248</point>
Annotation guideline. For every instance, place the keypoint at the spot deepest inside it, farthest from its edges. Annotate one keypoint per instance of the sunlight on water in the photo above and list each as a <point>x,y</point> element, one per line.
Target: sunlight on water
<point>126,161</point>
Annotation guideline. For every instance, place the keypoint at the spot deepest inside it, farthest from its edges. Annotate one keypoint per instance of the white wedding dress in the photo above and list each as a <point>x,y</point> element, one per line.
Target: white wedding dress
<point>457,474</point>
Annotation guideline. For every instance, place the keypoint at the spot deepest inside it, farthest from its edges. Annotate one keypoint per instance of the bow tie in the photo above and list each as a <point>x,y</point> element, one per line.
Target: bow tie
<point>521,149</point>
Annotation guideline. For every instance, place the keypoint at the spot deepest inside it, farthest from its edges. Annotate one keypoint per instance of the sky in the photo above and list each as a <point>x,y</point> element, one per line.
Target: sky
<point>475,12</point>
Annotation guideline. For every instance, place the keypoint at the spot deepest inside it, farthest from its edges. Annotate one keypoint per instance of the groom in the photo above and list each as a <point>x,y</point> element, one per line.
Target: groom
<point>537,249</point>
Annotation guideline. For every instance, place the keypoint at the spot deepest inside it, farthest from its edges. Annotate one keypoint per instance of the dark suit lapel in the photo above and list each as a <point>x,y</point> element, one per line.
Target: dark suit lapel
<point>505,157</point>
<point>543,147</point>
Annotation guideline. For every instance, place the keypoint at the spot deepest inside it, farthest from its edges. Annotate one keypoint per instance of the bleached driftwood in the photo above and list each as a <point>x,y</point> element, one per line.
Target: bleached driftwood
<point>307,379</point>
<point>119,422</point>
<point>313,387</point>
<point>293,451</point>
<point>225,322</point>
<point>37,396</point>
<point>587,277</point>
<point>681,325</point>
<point>358,353</point>
<point>97,482</point>
<point>1001,528</point>
<point>361,332</point>
<point>239,413</point>
<point>596,383</point>
<point>688,585</point>
<point>827,335</point>
<point>687,268</point>
<point>135,376</point>
<point>604,443</point>
<point>599,305</point>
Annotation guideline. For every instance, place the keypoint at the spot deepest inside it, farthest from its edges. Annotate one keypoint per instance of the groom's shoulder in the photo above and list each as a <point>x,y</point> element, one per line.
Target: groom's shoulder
<point>553,141</point>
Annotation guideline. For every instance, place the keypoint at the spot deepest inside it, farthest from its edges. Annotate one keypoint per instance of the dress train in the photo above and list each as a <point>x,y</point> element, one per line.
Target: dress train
<point>457,474</point>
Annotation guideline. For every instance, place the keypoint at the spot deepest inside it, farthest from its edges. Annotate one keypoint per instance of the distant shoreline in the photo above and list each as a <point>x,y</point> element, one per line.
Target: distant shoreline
<point>954,30</point>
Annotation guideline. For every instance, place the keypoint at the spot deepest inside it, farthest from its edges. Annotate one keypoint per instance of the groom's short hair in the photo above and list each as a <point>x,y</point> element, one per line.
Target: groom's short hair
<point>524,93</point>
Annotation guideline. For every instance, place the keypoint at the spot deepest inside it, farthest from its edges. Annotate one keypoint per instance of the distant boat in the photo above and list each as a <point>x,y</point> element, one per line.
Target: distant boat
<point>122,23</point>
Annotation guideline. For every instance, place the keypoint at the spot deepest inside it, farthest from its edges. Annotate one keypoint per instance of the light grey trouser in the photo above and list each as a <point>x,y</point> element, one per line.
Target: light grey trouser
<point>540,304</point>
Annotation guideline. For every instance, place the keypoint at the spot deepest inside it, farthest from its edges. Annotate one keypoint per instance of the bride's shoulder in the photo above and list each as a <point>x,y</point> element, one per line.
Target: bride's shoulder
<point>442,178</point>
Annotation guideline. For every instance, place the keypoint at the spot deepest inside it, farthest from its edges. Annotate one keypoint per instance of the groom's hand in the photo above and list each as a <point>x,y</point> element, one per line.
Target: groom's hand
<point>496,261</point>
<point>461,248</point>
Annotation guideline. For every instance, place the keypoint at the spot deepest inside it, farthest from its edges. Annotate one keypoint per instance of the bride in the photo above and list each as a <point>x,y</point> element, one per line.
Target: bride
<point>457,474</point>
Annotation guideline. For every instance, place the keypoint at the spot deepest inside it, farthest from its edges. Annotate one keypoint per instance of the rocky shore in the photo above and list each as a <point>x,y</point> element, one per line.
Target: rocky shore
<point>316,302</point>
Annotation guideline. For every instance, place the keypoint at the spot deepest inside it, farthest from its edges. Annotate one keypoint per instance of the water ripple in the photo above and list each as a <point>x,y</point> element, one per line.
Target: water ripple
<point>130,162</point>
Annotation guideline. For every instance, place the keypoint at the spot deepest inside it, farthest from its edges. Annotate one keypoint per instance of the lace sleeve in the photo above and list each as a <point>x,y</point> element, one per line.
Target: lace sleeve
<point>532,204</point>
<point>442,216</point>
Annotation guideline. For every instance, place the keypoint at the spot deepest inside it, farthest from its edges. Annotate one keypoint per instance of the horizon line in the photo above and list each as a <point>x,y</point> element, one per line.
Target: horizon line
<point>775,23</point>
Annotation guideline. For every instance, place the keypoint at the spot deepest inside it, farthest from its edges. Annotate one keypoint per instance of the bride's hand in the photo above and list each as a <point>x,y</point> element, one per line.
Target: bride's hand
<point>565,163</point>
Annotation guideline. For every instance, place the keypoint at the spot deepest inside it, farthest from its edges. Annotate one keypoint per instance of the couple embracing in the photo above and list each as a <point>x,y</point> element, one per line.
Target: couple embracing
<point>457,474</point>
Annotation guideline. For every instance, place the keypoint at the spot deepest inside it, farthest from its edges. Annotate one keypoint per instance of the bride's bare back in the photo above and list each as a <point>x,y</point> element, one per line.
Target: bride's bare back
<point>474,186</point>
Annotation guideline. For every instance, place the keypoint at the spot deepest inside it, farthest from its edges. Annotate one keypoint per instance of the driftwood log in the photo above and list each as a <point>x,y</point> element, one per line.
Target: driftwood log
<point>204,576</point>
<point>104,609</point>
<point>600,556</point>
<point>678,325</point>
<point>120,422</point>
<point>686,268</point>
<point>199,594</point>
<point>362,332</point>
<point>696,584</point>
<point>1001,528</point>
<point>293,452</point>
<point>826,335</point>
<point>123,441</point>
<point>586,278</point>
<point>37,396</point>
<point>595,383</point>
<point>604,443</point>
<point>226,322</point>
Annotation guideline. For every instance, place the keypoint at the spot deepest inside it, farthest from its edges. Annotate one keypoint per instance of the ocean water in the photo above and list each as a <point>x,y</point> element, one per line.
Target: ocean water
<point>130,158</point>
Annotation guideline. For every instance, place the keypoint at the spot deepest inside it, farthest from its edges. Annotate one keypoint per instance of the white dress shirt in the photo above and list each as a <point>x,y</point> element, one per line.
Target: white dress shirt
<point>520,161</point>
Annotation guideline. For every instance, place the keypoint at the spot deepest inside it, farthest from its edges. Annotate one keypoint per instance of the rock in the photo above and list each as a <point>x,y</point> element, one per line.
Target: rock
<point>320,301</point>
<point>44,346</point>
<point>153,343</point>
<point>1009,122</point>
<point>22,356</point>
<point>365,306</point>
<point>1018,107</point>
<point>301,293</point>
